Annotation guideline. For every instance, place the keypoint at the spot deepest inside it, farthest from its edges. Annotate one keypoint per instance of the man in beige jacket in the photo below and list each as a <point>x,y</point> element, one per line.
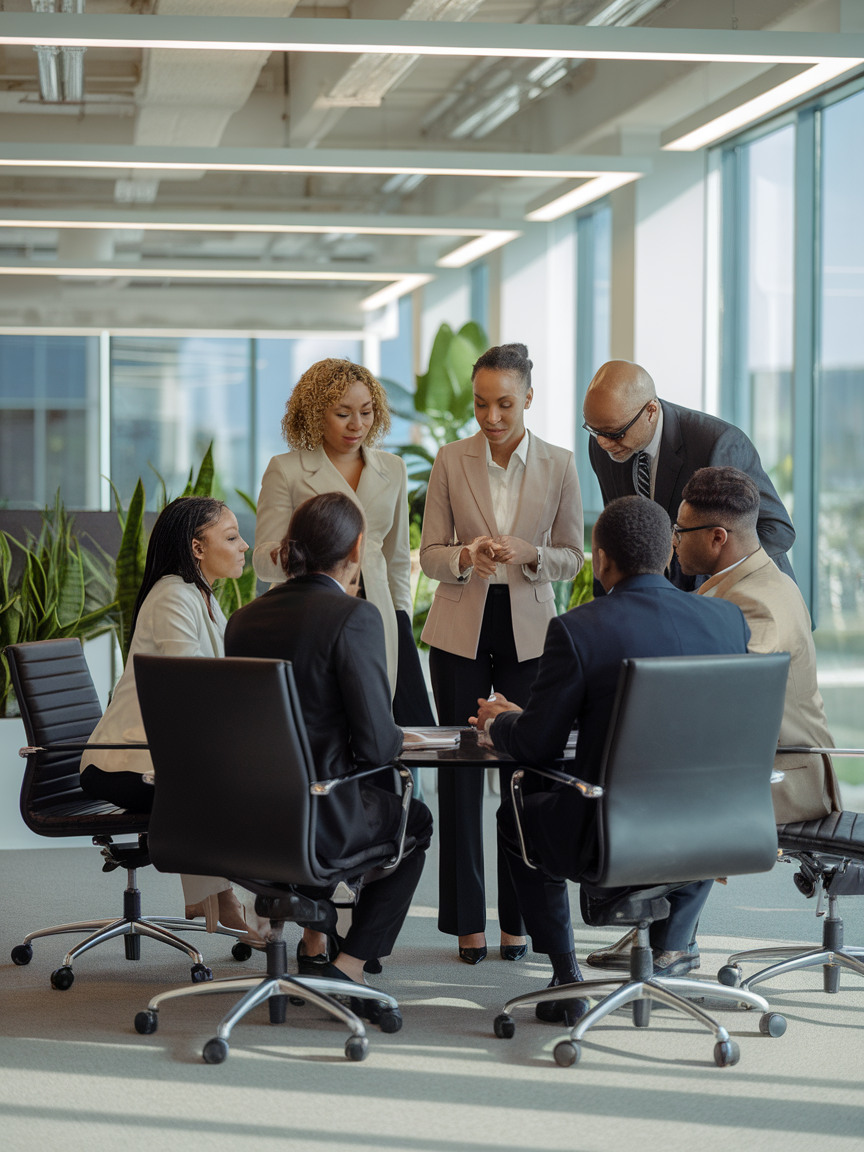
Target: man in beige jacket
<point>715,536</point>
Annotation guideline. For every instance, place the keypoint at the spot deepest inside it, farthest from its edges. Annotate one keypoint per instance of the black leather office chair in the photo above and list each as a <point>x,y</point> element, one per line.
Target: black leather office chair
<point>237,795</point>
<point>684,794</point>
<point>829,853</point>
<point>60,709</point>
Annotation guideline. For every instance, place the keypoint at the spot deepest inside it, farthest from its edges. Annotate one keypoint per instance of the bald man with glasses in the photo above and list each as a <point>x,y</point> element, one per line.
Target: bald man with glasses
<point>644,446</point>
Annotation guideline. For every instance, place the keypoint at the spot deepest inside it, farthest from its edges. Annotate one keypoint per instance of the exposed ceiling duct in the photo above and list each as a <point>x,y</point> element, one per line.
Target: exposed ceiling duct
<point>495,89</point>
<point>186,98</point>
<point>61,70</point>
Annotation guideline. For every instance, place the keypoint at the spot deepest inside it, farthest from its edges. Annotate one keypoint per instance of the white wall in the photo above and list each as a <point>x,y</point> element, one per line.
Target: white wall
<point>538,308</point>
<point>670,276</point>
<point>446,300</point>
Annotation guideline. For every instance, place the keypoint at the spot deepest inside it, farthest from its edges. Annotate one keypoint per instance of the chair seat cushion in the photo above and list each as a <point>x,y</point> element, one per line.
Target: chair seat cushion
<point>601,907</point>
<point>840,833</point>
<point>83,816</point>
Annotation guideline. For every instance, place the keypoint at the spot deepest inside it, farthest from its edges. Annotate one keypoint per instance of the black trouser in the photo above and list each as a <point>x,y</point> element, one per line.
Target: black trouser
<point>543,898</point>
<point>383,904</point>
<point>125,789</point>
<point>411,699</point>
<point>457,683</point>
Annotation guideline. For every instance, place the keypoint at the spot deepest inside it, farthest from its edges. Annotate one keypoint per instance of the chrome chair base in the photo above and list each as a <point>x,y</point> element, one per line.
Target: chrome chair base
<point>278,989</point>
<point>673,992</point>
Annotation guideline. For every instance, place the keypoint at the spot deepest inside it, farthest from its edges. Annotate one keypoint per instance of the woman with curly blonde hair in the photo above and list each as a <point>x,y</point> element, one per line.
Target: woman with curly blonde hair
<point>335,416</point>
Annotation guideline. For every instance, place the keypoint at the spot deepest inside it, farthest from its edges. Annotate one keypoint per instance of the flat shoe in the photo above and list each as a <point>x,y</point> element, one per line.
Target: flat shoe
<point>472,955</point>
<point>513,951</point>
<point>373,967</point>
<point>679,966</point>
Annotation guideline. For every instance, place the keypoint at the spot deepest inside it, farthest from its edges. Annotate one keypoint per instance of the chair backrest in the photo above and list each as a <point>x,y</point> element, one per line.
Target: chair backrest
<point>687,769</point>
<point>58,702</point>
<point>233,768</point>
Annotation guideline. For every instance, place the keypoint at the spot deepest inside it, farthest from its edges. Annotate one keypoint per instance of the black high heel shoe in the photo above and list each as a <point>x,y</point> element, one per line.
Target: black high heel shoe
<point>514,951</point>
<point>472,955</point>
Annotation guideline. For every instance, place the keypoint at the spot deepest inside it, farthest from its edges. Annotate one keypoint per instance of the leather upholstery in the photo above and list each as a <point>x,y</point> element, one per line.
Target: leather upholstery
<point>59,703</point>
<point>840,833</point>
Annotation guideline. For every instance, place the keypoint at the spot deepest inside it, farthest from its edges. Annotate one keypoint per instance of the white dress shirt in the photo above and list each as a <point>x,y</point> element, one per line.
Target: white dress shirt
<point>653,450</point>
<point>505,486</point>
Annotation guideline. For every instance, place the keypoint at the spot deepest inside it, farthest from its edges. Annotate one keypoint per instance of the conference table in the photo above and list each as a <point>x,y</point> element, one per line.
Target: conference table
<point>467,752</point>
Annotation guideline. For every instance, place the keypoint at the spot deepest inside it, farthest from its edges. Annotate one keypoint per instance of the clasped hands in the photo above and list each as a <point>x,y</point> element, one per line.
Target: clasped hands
<point>484,552</point>
<point>489,709</point>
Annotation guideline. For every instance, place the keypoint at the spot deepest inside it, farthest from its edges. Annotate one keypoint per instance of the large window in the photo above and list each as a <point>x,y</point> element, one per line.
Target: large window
<point>593,330</point>
<point>793,364</point>
<point>49,432</point>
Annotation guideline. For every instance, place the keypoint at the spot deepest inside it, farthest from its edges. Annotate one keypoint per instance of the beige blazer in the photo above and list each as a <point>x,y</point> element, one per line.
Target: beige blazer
<point>459,508</point>
<point>173,621</point>
<point>779,622</point>
<point>382,494</point>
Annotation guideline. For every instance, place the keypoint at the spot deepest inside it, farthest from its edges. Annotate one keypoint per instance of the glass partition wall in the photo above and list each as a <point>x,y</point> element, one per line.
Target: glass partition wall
<point>793,364</point>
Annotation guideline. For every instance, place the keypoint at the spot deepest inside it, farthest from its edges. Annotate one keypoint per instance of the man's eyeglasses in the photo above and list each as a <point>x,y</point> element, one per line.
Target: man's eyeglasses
<point>678,531</point>
<point>595,432</point>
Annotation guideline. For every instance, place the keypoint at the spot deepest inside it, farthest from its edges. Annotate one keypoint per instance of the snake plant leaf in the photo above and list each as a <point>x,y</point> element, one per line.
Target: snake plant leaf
<point>206,474</point>
<point>187,491</point>
<point>130,565</point>
<point>5,569</point>
<point>163,491</point>
<point>248,501</point>
<point>438,396</point>
<point>233,593</point>
<point>70,593</point>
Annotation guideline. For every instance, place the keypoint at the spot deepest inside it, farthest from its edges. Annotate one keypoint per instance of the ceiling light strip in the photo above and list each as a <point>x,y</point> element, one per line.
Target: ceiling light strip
<point>584,194</point>
<point>424,38</point>
<point>394,291</point>
<point>474,249</point>
<point>344,162</point>
<point>137,272</point>
<point>760,106</point>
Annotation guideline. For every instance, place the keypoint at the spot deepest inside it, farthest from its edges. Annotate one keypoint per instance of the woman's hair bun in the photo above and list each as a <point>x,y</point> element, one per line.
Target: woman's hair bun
<point>520,350</point>
<point>507,358</point>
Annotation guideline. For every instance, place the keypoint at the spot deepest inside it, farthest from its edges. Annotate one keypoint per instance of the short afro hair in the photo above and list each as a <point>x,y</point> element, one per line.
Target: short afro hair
<point>724,494</point>
<point>323,384</point>
<point>636,534</point>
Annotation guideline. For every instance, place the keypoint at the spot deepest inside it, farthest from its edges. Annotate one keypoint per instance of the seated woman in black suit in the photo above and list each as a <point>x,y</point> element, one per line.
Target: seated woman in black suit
<point>335,642</point>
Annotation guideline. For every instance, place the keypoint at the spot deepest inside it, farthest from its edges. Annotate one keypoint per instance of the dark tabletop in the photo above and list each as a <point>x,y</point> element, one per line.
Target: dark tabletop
<point>466,753</point>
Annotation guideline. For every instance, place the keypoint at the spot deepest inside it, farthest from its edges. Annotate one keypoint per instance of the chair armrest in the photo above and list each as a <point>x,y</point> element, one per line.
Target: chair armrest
<point>801,749</point>
<point>77,746</point>
<point>325,787</point>
<point>589,791</point>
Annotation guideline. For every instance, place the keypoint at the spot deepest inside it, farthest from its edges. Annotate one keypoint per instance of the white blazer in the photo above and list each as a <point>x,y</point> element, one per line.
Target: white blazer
<point>382,494</point>
<point>173,621</point>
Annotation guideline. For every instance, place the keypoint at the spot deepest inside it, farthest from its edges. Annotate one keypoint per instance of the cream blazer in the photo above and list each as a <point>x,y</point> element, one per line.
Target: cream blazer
<point>779,622</point>
<point>459,508</point>
<point>173,621</point>
<point>382,494</point>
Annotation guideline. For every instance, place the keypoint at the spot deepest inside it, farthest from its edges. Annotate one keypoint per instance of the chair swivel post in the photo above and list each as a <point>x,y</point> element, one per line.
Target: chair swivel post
<point>832,941</point>
<point>132,913</point>
<point>277,968</point>
<point>642,968</point>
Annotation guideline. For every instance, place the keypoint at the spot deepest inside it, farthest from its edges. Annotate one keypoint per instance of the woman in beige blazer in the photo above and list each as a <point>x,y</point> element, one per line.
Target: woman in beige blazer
<point>503,520</point>
<point>336,413</point>
<point>194,541</point>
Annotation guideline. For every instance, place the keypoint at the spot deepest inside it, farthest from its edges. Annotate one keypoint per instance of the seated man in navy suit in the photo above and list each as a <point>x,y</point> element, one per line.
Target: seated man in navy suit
<point>645,615</point>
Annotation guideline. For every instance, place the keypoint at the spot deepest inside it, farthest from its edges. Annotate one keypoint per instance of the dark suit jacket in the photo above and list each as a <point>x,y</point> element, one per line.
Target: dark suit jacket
<point>690,441</point>
<point>576,684</point>
<point>335,643</point>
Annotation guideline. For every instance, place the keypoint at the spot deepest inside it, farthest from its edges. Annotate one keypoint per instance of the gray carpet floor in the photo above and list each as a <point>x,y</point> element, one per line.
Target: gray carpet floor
<point>76,1075</point>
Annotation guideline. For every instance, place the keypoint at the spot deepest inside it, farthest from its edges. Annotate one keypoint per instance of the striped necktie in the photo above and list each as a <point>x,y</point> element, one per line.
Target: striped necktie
<point>643,475</point>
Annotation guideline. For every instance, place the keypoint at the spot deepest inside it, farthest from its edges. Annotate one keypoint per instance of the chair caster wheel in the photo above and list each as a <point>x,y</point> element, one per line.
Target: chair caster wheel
<point>22,954</point>
<point>215,1051</point>
<point>200,974</point>
<point>390,1020</point>
<point>62,979</point>
<point>772,1024</point>
<point>146,1022</point>
<point>726,1053</point>
<point>241,951</point>
<point>296,1001</point>
<point>357,1048</point>
<point>731,975</point>
<point>504,1026</point>
<point>567,1053</point>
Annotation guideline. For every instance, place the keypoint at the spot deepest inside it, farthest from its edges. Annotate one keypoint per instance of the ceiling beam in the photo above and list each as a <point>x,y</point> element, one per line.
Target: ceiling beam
<point>427,38</point>
<point>211,270</point>
<point>372,161</point>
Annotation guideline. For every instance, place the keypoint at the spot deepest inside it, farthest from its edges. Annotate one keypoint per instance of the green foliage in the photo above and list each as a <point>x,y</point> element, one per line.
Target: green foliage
<point>442,404</point>
<point>130,562</point>
<point>63,591</point>
<point>583,585</point>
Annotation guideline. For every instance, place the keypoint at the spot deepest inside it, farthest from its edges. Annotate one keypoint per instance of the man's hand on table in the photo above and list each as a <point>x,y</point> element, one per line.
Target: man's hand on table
<point>489,709</point>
